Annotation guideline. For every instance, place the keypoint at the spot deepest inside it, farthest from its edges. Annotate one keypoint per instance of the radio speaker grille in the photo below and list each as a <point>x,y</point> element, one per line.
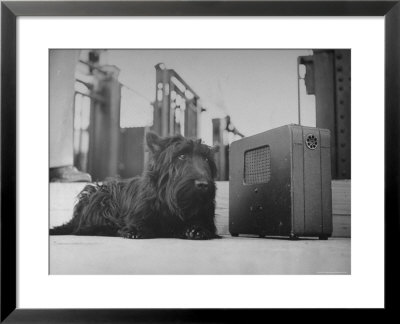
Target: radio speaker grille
<point>257,165</point>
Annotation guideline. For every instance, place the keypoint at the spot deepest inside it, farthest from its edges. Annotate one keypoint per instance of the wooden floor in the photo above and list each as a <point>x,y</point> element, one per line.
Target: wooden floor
<point>226,256</point>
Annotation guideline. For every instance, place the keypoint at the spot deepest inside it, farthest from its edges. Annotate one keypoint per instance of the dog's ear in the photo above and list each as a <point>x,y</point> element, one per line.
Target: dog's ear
<point>153,142</point>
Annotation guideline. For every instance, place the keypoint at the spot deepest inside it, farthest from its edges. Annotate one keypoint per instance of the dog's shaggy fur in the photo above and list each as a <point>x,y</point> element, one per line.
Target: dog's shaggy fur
<point>175,196</point>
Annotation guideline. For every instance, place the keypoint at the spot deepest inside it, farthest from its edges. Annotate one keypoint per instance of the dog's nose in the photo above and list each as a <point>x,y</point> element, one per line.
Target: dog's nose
<point>201,185</point>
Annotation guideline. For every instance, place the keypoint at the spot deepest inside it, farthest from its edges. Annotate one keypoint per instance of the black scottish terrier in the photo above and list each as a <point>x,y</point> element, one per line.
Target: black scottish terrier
<point>175,196</point>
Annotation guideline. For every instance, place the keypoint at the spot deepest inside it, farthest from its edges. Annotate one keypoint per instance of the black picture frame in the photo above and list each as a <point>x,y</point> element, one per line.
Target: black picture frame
<point>10,10</point>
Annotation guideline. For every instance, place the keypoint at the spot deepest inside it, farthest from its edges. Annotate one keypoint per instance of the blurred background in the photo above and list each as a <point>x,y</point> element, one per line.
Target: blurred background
<point>102,102</point>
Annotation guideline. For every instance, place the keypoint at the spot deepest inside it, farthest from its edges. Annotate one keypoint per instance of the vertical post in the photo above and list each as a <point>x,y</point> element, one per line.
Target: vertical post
<point>114,102</point>
<point>298,90</point>
<point>105,131</point>
<point>342,61</point>
<point>328,77</point>
<point>62,79</point>
<point>198,116</point>
<point>162,103</point>
<point>171,110</point>
<point>325,98</point>
<point>218,140</point>
<point>191,118</point>
<point>165,106</point>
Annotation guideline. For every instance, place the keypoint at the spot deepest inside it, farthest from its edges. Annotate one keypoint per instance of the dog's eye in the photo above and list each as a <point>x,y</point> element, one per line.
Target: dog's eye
<point>182,157</point>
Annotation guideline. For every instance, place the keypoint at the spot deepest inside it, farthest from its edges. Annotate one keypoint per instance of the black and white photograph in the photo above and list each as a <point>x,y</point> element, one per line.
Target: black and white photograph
<point>195,161</point>
<point>200,161</point>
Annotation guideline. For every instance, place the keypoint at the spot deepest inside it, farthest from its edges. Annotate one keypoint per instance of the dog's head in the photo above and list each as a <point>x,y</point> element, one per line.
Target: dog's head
<point>183,171</point>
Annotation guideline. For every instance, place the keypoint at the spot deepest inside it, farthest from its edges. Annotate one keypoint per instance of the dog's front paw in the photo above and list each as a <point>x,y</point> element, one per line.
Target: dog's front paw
<point>198,233</point>
<point>128,233</point>
<point>134,233</point>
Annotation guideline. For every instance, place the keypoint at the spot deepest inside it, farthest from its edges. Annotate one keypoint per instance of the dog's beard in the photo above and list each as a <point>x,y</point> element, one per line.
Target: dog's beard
<point>185,201</point>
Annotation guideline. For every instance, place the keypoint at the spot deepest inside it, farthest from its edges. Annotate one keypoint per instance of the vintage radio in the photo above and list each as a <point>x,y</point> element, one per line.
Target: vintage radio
<point>280,183</point>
